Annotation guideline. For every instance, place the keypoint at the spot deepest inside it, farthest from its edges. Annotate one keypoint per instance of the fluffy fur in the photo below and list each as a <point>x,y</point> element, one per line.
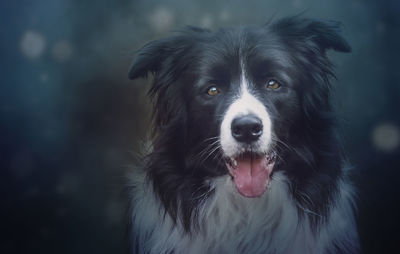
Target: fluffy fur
<point>186,197</point>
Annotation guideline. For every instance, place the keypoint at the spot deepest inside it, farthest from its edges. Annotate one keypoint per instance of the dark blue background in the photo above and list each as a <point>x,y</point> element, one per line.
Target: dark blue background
<point>71,122</point>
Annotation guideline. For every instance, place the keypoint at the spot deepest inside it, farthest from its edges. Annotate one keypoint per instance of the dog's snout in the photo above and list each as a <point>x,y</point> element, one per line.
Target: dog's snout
<point>247,128</point>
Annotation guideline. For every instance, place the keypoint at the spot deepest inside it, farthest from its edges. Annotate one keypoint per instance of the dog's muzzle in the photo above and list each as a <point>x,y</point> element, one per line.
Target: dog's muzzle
<point>247,129</point>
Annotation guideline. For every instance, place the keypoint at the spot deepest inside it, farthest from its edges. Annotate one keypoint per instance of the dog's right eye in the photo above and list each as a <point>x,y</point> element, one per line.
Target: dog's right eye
<point>273,84</point>
<point>212,91</point>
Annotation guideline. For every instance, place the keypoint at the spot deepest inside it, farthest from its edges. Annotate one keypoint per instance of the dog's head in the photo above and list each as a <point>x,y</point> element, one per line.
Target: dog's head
<point>242,100</point>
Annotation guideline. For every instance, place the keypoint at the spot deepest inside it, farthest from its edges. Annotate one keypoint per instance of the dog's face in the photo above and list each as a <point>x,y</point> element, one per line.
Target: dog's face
<point>233,99</point>
<point>244,94</point>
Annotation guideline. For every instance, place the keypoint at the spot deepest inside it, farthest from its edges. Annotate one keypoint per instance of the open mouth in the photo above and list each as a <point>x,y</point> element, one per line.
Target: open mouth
<point>251,172</point>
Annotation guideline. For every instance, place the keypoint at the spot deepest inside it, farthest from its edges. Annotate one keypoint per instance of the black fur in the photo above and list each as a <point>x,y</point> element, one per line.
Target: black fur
<point>292,50</point>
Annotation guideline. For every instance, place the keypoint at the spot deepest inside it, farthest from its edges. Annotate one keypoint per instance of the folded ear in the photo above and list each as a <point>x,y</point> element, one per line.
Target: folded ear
<point>326,34</point>
<point>156,55</point>
<point>150,57</point>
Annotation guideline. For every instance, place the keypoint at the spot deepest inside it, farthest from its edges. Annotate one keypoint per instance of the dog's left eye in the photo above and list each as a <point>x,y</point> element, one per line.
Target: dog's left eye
<point>212,91</point>
<point>273,84</point>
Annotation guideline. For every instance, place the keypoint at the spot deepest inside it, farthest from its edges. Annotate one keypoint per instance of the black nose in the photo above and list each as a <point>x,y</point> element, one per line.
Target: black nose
<point>246,128</point>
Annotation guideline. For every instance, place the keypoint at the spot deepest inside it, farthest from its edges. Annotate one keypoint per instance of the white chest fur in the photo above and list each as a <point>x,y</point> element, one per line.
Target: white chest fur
<point>230,223</point>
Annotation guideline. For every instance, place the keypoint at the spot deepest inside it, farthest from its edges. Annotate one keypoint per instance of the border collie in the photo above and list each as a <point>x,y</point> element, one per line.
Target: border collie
<point>244,156</point>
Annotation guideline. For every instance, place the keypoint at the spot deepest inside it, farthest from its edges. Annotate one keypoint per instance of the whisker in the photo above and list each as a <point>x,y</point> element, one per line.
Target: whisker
<point>202,152</point>
<point>212,138</point>
<point>211,152</point>
<point>305,197</point>
<point>308,210</point>
<point>275,138</point>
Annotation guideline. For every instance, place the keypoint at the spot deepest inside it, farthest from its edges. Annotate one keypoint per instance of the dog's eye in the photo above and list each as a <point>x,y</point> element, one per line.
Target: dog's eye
<point>273,84</point>
<point>212,91</point>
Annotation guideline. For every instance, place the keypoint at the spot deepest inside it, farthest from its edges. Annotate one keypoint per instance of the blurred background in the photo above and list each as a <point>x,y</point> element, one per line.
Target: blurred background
<point>71,121</point>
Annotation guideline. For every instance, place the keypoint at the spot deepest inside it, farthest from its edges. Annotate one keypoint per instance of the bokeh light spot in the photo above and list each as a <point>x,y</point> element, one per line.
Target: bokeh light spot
<point>44,77</point>
<point>114,212</point>
<point>206,21</point>
<point>386,137</point>
<point>32,44</point>
<point>297,3</point>
<point>62,51</point>
<point>69,184</point>
<point>224,15</point>
<point>161,19</point>
<point>22,164</point>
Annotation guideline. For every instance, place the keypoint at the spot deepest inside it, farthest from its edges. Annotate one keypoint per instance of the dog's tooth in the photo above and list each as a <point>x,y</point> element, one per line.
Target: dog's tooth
<point>268,159</point>
<point>234,163</point>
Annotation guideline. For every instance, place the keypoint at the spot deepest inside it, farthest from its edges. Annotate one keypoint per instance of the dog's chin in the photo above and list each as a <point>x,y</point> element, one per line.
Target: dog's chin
<point>251,172</point>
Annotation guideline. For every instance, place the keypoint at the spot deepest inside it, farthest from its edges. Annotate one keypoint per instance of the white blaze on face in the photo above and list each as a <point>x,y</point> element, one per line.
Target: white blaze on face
<point>245,104</point>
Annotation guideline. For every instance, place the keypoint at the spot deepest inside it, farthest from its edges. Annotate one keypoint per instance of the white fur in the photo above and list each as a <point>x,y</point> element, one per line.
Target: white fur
<point>245,104</point>
<point>231,223</point>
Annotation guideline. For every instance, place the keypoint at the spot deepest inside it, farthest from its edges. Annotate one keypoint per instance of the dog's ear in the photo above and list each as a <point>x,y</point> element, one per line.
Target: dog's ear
<point>325,34</point>
<point>162,55</point>
<point>150,57</point>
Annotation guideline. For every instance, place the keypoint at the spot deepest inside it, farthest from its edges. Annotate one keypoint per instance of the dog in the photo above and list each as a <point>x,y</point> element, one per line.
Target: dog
<point>245,156</point>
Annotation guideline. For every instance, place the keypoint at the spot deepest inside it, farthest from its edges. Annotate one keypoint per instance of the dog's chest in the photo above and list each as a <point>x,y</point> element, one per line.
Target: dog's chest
<point>229,223</point>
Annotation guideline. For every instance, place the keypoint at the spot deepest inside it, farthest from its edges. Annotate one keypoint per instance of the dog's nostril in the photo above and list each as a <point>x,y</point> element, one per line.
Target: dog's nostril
<point>257,129</point>
<point>236,130</point>
<point>247,128</point>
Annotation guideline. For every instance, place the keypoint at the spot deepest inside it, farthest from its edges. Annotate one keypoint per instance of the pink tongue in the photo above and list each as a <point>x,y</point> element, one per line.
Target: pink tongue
<point>251,176</point>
